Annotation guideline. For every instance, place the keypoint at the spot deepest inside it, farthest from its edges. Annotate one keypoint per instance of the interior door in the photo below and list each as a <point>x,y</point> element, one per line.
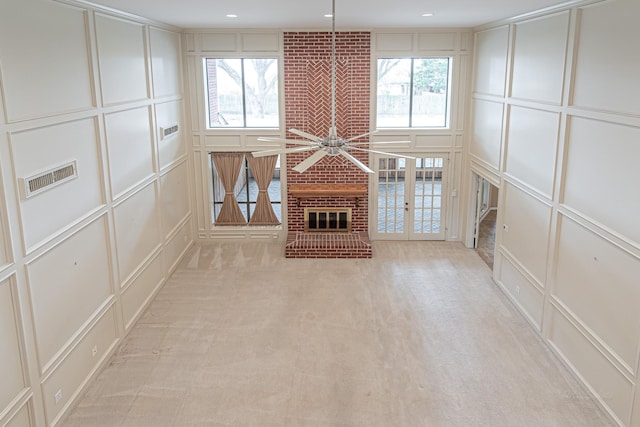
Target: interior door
<point>410,202</point>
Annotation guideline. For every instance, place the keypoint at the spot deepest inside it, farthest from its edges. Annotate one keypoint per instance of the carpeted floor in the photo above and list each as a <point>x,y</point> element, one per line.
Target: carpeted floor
<point>419,335</point>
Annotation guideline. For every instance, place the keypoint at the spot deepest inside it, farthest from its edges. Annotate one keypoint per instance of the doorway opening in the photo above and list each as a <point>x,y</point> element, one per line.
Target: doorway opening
<point>487,196</point>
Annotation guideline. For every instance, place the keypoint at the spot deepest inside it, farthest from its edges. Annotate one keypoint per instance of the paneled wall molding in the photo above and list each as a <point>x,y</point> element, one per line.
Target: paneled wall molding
<point>65,260</point>
<point>523,270</point>
<point>565,147</point>
<point>20,403</point>
<point>50,366</point>
<point>118,13</point>
<point>628,371</point>
<point>567,5</point>
<point>483,170</point>
<point>606,233</point>
<point>527,188</point>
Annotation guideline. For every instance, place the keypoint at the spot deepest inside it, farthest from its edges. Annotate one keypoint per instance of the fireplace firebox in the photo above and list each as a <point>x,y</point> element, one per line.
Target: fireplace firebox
<point>327,219</point>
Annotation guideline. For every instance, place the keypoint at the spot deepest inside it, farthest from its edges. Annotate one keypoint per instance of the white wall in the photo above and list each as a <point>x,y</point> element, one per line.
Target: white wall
<point>556,118</point>
<point>79,262</point>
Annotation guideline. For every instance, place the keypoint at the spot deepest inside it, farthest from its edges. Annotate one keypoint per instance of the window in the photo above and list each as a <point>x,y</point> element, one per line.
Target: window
<point>246,190</point>
<point>413,92</point>
<point>242,92</point>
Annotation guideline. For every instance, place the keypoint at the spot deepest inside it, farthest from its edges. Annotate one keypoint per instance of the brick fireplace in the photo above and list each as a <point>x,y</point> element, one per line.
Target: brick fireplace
<point>307,70</point>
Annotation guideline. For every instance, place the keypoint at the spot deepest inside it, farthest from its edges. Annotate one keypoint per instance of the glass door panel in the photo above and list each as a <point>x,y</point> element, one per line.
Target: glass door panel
<point>410,203</point>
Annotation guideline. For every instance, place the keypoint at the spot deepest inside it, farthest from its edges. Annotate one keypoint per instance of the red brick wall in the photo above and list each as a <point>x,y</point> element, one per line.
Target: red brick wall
<point>307,76</point>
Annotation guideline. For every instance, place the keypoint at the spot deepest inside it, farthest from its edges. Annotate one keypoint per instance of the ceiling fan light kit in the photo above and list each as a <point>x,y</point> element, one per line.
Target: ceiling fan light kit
<point>331,145</point>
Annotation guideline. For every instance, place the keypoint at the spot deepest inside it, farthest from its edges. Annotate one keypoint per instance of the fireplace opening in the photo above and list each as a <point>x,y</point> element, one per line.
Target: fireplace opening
<point>327,219</point>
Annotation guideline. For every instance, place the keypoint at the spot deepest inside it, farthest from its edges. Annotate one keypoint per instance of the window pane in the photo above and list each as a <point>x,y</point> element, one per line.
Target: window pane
<point>261,92</point>
<point>430,89</point>
<point>413,92</point>
<point>224,84</point>
<point>246,191</point>
<point>394,92</point>
<point>242,92</point>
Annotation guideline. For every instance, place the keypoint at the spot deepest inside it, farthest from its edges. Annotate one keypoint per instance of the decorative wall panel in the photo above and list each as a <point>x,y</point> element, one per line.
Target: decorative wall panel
<point>174,198</point>
<point>67,285</point>
<point>121,54</point>
<point>539,57</point>
<point>78,365</point>
<point>40,149</point>
<point>11,368</point>
<point>137,294</point>
<point>598,282</point>
<point>526,294</point>
<point>526,235</point>
<point>532,144</point>
<point>491,64</point>
<point>607,382</point>
<point>51,75</point>
<point>137,230</point>
<point>601,171</point>
<point>130,148</point>
<point>487,131</point>
<point>607,58</point>
<point>165,62</point>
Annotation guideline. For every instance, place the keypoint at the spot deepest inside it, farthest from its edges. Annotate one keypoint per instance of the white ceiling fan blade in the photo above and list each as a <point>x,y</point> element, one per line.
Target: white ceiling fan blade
<point>306,135</point>
<point>401,156</point>
<point>310,161</point>
<point>364,134</point>
<point>356,162</point>
<point>264,153</point>
<point>287,141</point>
<point>379,142</point>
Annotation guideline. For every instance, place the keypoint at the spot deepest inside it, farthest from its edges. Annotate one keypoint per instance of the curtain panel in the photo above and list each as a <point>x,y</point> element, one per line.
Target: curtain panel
<point>262,169</point>
<point>229,166</point>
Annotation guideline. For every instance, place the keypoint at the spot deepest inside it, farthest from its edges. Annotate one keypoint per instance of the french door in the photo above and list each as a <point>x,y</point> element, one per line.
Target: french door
<point>410,202</point>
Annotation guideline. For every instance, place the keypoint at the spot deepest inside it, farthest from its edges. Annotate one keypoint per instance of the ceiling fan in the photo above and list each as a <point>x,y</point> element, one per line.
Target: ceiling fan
<point>331,145</point>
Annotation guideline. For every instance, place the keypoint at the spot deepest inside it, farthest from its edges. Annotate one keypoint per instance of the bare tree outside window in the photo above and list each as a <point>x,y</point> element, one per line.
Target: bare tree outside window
<point>413,92</point>
<point>242,92</point>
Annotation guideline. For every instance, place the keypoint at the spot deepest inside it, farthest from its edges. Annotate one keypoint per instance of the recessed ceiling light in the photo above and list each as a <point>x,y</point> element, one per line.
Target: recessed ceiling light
<point>328,15</point>
<point>427,14</point>
<point>231,15</point>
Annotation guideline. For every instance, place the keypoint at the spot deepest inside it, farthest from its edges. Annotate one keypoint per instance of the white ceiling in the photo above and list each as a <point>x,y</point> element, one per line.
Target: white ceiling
<point>308,14</point>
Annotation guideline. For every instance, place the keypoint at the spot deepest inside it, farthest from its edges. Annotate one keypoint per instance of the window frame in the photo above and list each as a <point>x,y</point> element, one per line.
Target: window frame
<point>448,93</point>
<point>277,90</point>
<point>246,206</point>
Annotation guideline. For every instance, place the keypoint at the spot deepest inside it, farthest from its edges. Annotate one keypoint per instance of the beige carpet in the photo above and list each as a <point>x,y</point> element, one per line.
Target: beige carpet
<point>417,336</point>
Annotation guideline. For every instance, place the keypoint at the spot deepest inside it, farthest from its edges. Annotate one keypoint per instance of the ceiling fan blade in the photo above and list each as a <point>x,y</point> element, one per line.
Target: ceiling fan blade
<point>364,134</point>
<point>264,153</point>
<point>379,142</point>
<point>287,141</point>
<point>356,162</point>
<point>310,161</point>
<point>306,135</point>
<point>401,156</point>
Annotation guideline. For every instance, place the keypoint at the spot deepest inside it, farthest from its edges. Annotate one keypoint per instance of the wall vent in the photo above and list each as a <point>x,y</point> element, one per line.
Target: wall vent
<point>43,181</point>
<point>165,132</point>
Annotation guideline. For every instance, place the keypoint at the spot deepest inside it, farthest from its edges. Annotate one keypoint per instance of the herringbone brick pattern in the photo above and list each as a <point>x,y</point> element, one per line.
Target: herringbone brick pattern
<point>307,68</point>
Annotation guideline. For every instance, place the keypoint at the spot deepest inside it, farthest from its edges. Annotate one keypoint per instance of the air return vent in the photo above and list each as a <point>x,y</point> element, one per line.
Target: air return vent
<point>43,181</point>
<point>165,132</point>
